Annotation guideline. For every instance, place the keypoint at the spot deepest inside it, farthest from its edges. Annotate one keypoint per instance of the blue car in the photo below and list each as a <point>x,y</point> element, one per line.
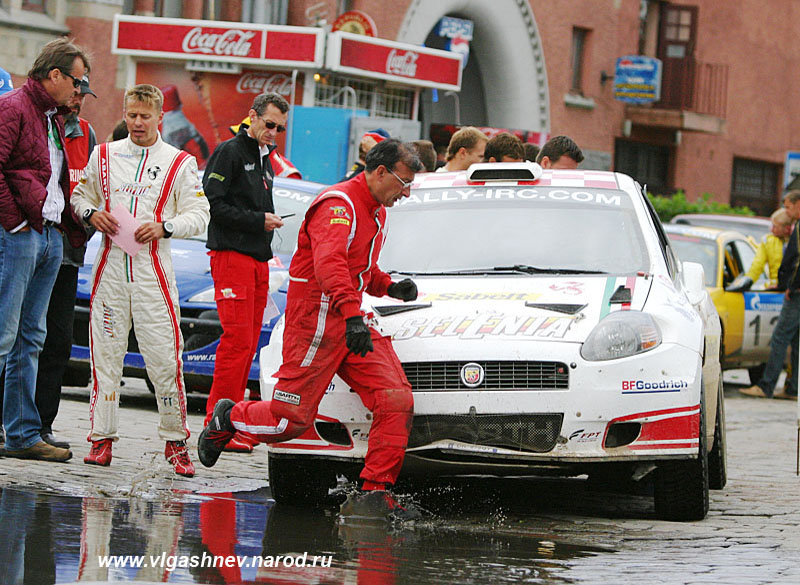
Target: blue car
<point>199,319</point>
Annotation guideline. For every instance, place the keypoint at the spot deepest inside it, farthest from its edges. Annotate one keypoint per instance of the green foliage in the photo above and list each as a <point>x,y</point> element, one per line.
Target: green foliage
<point>669,207</point>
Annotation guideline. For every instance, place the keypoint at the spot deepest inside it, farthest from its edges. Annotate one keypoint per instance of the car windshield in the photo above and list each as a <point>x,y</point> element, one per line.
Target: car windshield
<point>752,229</point>
<point>694,249</point>
<point>520,229</point>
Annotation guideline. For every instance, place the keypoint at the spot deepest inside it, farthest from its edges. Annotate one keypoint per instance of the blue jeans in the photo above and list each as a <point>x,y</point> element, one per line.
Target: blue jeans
<point>784,335</point>
<point>29,263</point>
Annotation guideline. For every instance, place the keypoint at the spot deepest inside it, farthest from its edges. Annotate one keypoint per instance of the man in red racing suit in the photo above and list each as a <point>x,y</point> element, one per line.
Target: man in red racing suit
<point>326,334</point>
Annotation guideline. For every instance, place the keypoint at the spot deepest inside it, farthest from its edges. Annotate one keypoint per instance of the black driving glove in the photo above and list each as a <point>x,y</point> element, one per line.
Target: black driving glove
<point>405,290</point>
<point>357,336</point>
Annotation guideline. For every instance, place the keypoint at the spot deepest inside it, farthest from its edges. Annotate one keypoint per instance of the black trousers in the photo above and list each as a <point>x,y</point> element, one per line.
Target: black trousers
<point>54,357</point>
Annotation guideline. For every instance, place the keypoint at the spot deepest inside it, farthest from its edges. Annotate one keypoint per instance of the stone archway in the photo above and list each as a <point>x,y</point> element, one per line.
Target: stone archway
<point>507,45</point>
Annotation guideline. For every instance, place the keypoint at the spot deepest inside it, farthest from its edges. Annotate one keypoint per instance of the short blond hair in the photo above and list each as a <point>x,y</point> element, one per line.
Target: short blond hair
<point>146,94</point>
<point>781,217</point>
<point>466,138</point>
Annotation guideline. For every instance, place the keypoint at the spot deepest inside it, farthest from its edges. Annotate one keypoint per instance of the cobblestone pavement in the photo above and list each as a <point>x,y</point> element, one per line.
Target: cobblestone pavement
<point>751,535</point>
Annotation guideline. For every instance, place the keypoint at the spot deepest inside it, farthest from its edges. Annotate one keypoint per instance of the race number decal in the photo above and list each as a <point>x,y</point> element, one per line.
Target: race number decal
<point>761,310</point>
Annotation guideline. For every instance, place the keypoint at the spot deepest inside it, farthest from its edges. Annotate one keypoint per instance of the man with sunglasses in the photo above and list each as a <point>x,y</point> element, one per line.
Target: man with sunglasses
<point>327,333</point>
<point>238,184</point>
<point>34,211</point>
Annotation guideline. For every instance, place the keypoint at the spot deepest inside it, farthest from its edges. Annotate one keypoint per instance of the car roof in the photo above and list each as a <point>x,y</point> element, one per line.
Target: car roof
<point>745,219</point>
<point>703,232</point>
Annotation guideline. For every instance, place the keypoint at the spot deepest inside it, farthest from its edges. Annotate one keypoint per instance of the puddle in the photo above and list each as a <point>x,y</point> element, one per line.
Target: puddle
<point>246,538</point>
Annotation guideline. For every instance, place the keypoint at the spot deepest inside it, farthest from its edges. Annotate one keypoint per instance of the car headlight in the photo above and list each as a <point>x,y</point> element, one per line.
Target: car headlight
<point>621,334</point>
<point>204,296</point>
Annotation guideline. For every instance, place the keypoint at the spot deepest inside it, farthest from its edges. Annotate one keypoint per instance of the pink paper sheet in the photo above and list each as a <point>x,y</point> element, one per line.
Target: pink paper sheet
<point>127,227</point>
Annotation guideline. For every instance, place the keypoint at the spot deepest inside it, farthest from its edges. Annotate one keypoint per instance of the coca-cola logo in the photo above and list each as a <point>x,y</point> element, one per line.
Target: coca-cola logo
<point>265,83</point>
<point>402,63</point>
<point>231,43</point>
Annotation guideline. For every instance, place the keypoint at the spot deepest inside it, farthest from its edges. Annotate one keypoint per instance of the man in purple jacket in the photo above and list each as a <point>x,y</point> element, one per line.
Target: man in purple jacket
<point>34,210</point>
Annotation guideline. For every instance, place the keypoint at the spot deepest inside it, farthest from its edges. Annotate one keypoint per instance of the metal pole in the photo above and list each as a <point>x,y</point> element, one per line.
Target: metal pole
<point>454,95</point>
<point>290,133</point>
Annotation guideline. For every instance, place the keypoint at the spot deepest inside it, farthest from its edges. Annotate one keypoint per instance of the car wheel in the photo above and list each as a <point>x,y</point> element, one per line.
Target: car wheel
<point>756,372</point>
<point>300,481</point>
<point>681,487</point>
<point>198,340</point>
<point>717,458</point>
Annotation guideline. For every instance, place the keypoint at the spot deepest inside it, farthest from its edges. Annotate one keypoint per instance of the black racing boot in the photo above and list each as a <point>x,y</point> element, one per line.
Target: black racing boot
<point>376,505</point>
<point>217,433</point>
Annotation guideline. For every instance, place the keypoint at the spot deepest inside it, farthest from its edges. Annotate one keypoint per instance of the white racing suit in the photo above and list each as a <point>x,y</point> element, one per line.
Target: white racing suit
<point>156,183</point>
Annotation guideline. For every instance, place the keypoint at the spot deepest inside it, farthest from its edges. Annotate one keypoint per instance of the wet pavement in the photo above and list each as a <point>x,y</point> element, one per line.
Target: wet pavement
<point>60,522</point>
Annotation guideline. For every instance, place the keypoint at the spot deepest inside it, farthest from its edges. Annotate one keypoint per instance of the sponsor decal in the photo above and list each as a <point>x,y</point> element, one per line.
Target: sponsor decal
<point>637,386</point>
<point>581,436</point>
<point>250,166</point>
<point>254,82</point>
<point>75,175</point>
<point>122,155</point>
<point>487,296</point>
<point>287,397</point>
<point>227,293</point>
<point>770,303</point>
<point>232,43</point>
<point>199,357</point>
<point>340,220</point>
<point>153,171</point>
<point>472,375</point>
<point>514,193</point>
<point>485,324</point>
<point>216,176</point>
<point>339,211</point>
<point>360,435</point>
<point>402,63</point>
<point>108,321</point>
<point>569,287</point>
<point>133,189</point>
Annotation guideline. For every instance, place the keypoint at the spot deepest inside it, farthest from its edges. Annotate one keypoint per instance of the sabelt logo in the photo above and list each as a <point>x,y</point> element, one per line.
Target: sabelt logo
<point>402,63</point>
<point>264,83</point>
<point>231,43</point>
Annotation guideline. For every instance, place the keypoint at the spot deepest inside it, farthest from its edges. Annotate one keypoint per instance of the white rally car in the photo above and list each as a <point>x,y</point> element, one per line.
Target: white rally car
<point>555,332</point>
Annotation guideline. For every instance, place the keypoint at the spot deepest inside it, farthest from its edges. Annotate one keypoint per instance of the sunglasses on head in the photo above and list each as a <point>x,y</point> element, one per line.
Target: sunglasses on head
<point>272,125</point>
<point>76,83</point>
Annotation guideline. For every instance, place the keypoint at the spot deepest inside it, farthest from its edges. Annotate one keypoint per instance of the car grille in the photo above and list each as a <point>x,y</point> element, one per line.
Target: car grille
<point>520,432</point>
<point>498,375</point>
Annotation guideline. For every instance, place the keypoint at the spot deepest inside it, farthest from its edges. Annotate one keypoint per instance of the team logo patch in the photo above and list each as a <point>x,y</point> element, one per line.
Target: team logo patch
<point>339,211</point>
<point>216,176</point>
<point>340,220</point>
<point>228,293</point>
<point>250,166</point>
<point>472,375</point>
<point>287,397</point>
<point>108,321</point>
<point>153,171</point>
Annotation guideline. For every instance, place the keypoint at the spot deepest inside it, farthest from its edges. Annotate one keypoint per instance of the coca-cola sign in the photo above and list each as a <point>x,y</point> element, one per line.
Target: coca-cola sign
<point>262,44</point>
<point>402,63</point>
<point>382,59</point>
<point>233,42</point>
<point>256,82</point>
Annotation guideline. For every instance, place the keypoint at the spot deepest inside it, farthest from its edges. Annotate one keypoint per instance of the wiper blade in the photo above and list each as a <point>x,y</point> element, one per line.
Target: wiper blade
<point>528,269</point>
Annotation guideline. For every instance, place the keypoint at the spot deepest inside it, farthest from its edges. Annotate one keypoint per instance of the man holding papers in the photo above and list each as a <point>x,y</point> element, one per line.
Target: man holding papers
<point>139,192</point>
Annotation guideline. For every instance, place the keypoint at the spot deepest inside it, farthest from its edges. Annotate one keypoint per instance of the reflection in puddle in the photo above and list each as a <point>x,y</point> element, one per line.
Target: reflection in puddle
<point>247,538</point>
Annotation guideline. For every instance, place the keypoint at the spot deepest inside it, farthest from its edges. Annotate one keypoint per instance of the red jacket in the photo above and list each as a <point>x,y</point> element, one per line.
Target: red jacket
<point>25,161</point>
<point>338,246</point>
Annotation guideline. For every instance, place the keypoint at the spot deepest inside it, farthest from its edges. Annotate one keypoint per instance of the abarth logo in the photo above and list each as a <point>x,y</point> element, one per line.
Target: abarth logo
<point>287,397</point>
<point>339,211</point>
<point>153,171</point>
<point>472,375</point>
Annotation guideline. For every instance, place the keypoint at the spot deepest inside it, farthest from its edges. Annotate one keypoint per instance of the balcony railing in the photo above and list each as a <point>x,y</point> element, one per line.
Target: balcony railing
<point>696,87</point>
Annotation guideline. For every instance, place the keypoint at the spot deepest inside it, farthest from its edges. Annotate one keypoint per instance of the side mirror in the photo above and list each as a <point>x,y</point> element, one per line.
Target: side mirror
<point>694,281</point>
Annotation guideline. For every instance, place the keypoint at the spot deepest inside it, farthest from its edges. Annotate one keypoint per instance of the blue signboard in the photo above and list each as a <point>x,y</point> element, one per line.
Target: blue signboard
<point>637,79</point>
<point>791,169</point>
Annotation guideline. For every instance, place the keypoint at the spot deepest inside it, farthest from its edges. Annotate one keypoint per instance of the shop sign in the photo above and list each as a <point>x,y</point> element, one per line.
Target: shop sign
<point>356,22</point>
<point>177,38</point>
<point>637,79</point>
<point>393,61</point>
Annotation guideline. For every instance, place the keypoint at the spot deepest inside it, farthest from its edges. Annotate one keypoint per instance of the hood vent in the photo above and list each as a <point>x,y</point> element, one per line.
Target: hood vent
<point>557,307</point>
<point>387,310</point>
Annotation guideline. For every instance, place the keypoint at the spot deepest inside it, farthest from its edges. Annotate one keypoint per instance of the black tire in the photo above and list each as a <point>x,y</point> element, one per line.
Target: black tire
<point>756,372</point>
<point>198,340</point>
<point>718,458</point>
<point>302,482</point>
<point>681,487</point>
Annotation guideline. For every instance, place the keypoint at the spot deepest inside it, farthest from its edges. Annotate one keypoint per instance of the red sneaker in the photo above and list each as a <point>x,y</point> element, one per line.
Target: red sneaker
<point>100,453</point>
<point>178,456</point>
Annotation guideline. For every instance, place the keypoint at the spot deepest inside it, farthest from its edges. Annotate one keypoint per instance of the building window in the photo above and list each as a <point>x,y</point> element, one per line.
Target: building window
<point>578,49</point>
<point>646,163</point>
<point>755,184</point>
<point>33,5</point>
<point>390,102</point>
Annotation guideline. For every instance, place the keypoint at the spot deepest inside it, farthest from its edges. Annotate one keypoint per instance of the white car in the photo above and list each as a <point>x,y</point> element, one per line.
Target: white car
<point>555,332</point>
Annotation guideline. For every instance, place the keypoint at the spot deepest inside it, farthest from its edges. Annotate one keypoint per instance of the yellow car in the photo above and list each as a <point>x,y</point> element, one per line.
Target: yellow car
<point>748,318</point>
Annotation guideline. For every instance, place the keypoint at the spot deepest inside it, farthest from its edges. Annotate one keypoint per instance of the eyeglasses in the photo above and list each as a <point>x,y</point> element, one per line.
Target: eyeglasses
<point>402,182</point>
<point>272,125</point>
<point>76,83</point>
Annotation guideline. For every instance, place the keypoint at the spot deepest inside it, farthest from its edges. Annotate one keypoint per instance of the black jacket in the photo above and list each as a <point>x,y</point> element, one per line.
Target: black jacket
<point>239,194</point>
<point>788,276</point>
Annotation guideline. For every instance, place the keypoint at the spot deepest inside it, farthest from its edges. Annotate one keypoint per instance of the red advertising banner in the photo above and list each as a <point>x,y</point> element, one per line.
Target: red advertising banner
<point>176,38</point>
<point>200,108</point>
<point>401,62</point>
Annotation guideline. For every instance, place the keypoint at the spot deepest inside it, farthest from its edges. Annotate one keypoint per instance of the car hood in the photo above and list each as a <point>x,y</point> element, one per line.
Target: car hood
<point>563,309</point>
